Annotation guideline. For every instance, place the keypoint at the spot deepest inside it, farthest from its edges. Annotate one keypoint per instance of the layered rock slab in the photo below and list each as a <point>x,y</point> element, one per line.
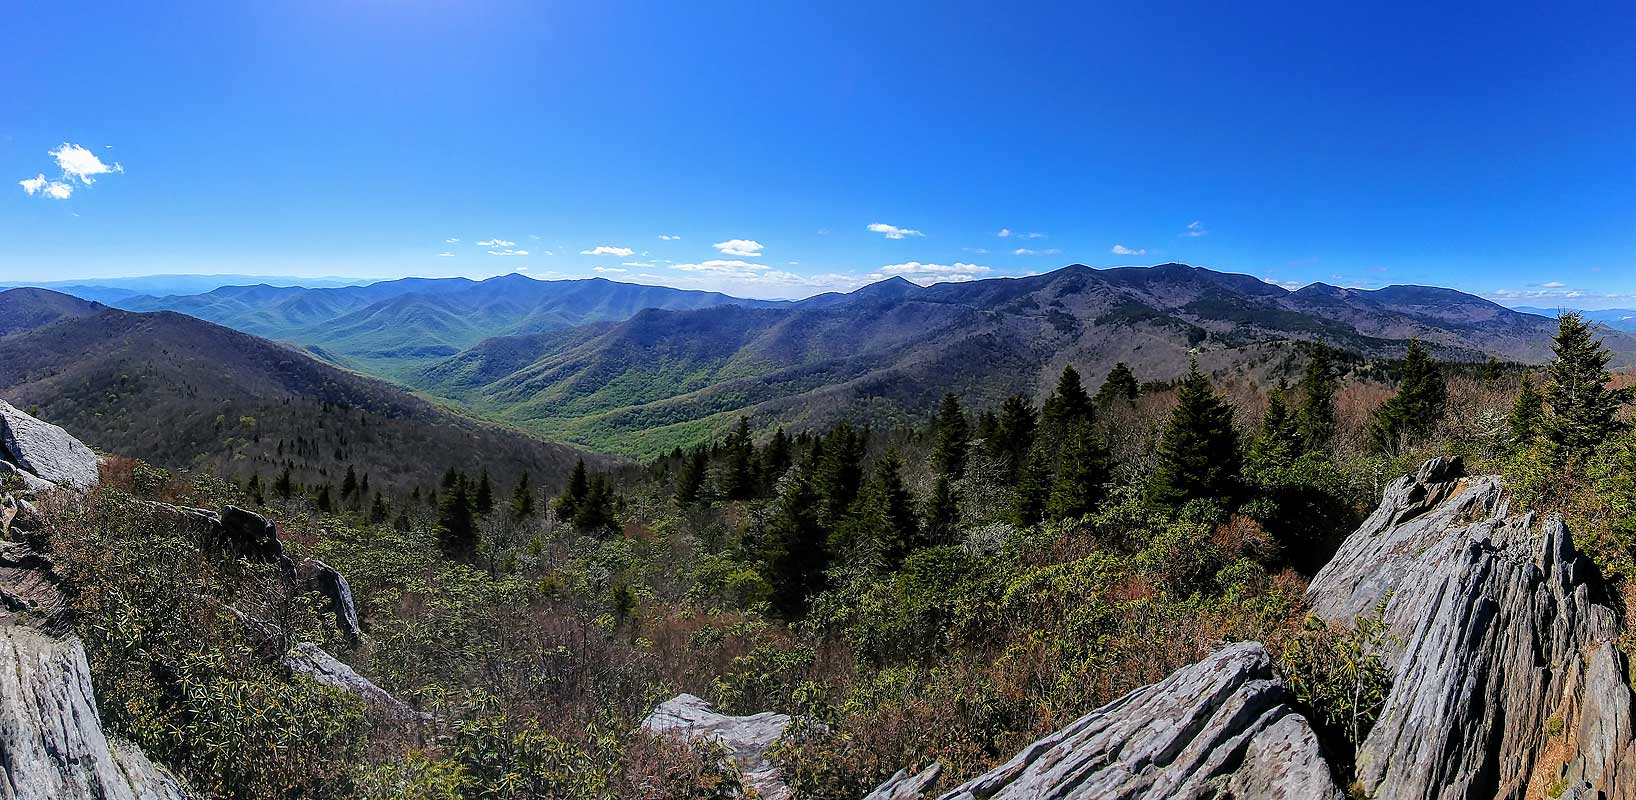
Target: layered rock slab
<point>45,450</point>
<point>1506,680</point>
<point>748,737</point>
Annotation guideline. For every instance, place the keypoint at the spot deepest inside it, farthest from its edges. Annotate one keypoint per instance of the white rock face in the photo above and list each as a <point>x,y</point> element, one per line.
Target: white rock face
<point>1507,682</point>
<point>52,746</point>
<point>45,450</point>
<point>316,662</point>
<point>748,737</point>
<point>1221,728</point>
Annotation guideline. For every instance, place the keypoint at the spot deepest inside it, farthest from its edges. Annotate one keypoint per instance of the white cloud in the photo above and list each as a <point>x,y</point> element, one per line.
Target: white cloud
<point>1553,285</point>
<point>56,190</point>
<point>722,266</point>
<point>508,252</point>
<point>740,247</point>
<point>445,255</point>
<point>893,231</point>
<point>1290,285</point>
<point>933,273</point>
<point>643,264</point>
<point>608,250</point>
<point>1007,233</point>
<point>1025,251</point>
<point>496,243</point>
<point>608,269</point>
<point>451,241</point>
<point>1194,229</point>
<point>665,237</point>
<point>82,164</point>
<point>1121,250</point>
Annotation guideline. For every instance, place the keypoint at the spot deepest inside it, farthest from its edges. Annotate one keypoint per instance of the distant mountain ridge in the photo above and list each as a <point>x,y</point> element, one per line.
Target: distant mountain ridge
<point>894,347</point>
<point>182,392</point>
<point>392,327</point>
<point>1621,319</point>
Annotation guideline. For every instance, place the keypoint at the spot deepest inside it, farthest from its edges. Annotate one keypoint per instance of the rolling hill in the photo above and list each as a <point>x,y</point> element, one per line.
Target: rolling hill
<point>184,393</point>
<point>891,349</point>
<point>392,328</point>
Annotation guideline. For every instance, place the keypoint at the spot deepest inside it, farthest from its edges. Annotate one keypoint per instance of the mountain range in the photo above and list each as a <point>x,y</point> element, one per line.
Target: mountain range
<point>186,393</point>
<point>1619,319</point>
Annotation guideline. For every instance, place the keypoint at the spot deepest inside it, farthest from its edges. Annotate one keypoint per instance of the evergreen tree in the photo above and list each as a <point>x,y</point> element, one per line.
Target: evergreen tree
<point>451,476</point>
<point>596,511</point>
<point>1082,474</point>
<point>795,551</point>
<point>1120,385</point>
<point>284,487</point>
<point>775,460</point>
<point>578,488</point>
<point>522,499</point>
<point>1279,442</point>
<point>323,501</point>
<point>377,510</point>
<point>1527,415</point>
<point>953,437</point>
<point>349,484</point>
<point>1413,413</point>
<point>690,478</point>
<point>1033,488</point>
<point>883,517</point>
<point>483,501</point>
<point>1198,455</point>
<point>839,471</point>
<point>1584,412</point>
<point>1014,433</point>
<point>988,428</point>
<point>456,527</point>
<point>401,522</point>
<point>1490,373</point>
<point>942,511</point>
<point>1315,419</point>
<point>739,481</point>
<point>1068,402</point>
<point>252,489</point>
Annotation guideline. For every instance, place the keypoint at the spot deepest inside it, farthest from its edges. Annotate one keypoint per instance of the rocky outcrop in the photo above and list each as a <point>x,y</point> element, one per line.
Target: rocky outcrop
<point>321,578</point>
<point>1506,680</point>
<point>747,737</point>
<point>44,450</point>
<point>908,786</point>
<point>313,661</point>
<point>52,746</point>
<point>1222,728</point>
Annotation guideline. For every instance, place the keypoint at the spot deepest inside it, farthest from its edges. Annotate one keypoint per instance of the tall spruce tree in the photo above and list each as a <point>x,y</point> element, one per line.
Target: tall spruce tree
<point>1198,455</point>
<point>1527,417</point>
<point>739,481</point>
<point>378,510</point>
<point>883,519</point>
<point>456,527</point>
<point>1315,416</point>
<point>574,494</point>
<point>953,438</point>
<point>795,549</point>
<point>690,477</point>
<point>1014,434</point>
<point>942,512</point>
<point>1412,414</point>
<point>839,471</point>
<point>595,513</point>
<point>1033,487</point>
<point>1584,412</point>
<point>522,499</point>
<point>483,499</point>
<point>1120,385</point>
<point>1279,442</point>
<point>1082,473</point>
<point>1068,402</point>
<point>775,460</point>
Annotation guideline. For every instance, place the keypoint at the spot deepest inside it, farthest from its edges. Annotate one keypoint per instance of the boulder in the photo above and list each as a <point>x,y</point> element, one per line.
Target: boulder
<point>747,737</point>
<point>45,450</point>
<point>1506,680</point>
<point>28,480</point>
<point>907,786</point>
<point>52,746</point>
<point>313,661</point>
<point>316,576</point>
<point>1224,727</point>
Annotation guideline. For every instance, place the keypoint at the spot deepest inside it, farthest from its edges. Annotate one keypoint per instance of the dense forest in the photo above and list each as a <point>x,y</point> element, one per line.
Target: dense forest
<point>943,591</point>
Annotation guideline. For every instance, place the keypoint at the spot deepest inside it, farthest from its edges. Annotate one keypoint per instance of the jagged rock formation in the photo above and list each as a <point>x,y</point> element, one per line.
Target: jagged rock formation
<point>1507,683</point>
<point>316,576</point>
<point>907,786</point>
<point>747,737</point>
<point>52,746</point>
<point>311,660</point>
<point>45,451</point>
<point>1221,728</point>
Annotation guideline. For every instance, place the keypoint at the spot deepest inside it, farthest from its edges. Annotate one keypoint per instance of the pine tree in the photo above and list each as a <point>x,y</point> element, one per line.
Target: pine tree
<point>1413,413</point>
<point>252,489</point>
<point>690,478</point>
<point>839,471</point>
<point>1033,488</point>
<point>1279,442</point>
<point>483,501</point>
<point>1014,434</point>
<point>451,476</point>
<point>1068,402</point>
<point>1082,474</point>
<point>1584,412</point>
<point>522,499</point>
<point>377,510</point>
<point>1119,385</point>
<point>1198,455</point>
<point>349,484</point>
<point>942,511</point>
<point>775,460</point>
<point>456,527</point>
<point>595,512</point>
<point>323,501</point>
<point>739,481</point>
<point>1315,419</point>
<point>953,437</point>
<point>284,487</point>
<point>578,488</point>
<point>883,517</point>
<point>1527,415</point>
<point>795,549</point>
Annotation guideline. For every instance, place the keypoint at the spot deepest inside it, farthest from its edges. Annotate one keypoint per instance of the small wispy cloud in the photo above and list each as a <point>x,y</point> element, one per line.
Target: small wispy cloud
<point>933,273</point>
<point>893,231</point>
<point>608,269</point>
<point>445,255</point>
<point>56,190</point>
<point>1007,233</point>
<point>749,248</point>
<point>1121,250</point>
<point>608,250</point>
<point>1029,251</point>
<point>508,252</point>
<point>451,241</point>
<point>1553,285</point>
<point>1195,229</point>
<point>665,237</point>
<point>496,243</point>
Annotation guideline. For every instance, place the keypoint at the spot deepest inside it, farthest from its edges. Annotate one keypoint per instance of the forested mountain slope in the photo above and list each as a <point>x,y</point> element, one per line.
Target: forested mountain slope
<point>182,392</point>
<point>390,327</point>
<point>892,348</point>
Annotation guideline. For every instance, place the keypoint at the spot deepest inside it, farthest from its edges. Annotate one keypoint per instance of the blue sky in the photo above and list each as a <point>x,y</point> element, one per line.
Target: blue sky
<point>1485,148</point>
